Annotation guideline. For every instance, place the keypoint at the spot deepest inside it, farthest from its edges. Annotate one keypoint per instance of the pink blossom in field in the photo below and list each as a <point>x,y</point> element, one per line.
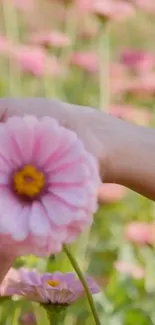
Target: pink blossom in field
<point>132,114</point>
<point>118,78</point>
<point>24,5</point>
<point>10,278</point>
<point>111,193</point>
<point>139,232</point>
<point>5,45</point>
<point>53,38</point>
<point>27,319</point>
<point>48,185</point>
<point>86,60</point>
<point>35,60</point>
<point>134,271</point>
<point>117,10</point>
<point>52,288</point>
<point>138,60</point>
<point>143,85</point>
<point>147,6</point>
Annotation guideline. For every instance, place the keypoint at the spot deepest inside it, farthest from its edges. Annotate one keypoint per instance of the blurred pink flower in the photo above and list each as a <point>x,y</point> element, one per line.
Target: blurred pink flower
<point>111,193</point>
<point>138,60</point>
<point>132,114</point>
<point>147,6</point>
<point>35,60</point>
<point>54,38</point>
<point>24,5</point>
<point>117,10</point>
<point>143,85</point>
<point>134,271</point>
<point>48,185</point>
<point>52,288</point>
<point>5,45</point>
<point>86,60</point>
<point>10,278</point>
<point>27,318</point>
<point>118,78</point>
<point>139,232</point>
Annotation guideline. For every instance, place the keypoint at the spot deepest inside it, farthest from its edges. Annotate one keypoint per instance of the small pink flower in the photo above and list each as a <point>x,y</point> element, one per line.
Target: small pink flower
<point>86,60</point>
<point>10,278</point>
<point>27,319</point>
<point>134,271</point>
<point>34,60</point>
<point>142,86</point>
<point>48,185</point>
<point>139,61</point>
<point>111,9</point>
<point>139,232</point>
<point>147,6</point>
<point>49,288</point>
<point>54,38</point>
<point>132,114</point>
<point>111,193</point>
<point>24,5</point>
<point>5,45</point>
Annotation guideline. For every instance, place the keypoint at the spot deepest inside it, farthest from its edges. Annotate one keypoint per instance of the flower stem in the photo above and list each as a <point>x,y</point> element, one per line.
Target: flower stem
<point>11,26</point>
<point>104,66</point>
<point>55,313</point>
<point>84,283</point>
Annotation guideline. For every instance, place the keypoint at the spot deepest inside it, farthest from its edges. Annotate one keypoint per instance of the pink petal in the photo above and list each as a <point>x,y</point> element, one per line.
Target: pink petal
<point>38,223</point>
<point>4,178</point>
<point>47,141</point>
<point>69,174</point>
<point>20,228</point>
<point>10,210</point>
<point>19,131</point>
<point>67,143</point>
<point>74,196</point>
<point>31,277</point>
<point>58,212</point>
<point>72,155</point>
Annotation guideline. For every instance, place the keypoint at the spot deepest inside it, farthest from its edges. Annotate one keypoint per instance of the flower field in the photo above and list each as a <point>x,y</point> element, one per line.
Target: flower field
<point>97,53</point>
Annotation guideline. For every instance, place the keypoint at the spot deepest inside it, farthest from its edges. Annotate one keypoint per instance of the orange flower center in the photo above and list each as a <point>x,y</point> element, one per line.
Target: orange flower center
<point>53,283</point>
<point>29,181</point>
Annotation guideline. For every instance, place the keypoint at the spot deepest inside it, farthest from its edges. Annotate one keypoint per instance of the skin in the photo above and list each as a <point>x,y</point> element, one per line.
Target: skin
<point>125,152</point>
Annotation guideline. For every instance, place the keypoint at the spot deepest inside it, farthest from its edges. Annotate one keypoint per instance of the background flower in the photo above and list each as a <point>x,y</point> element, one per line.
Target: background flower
<point>55,288</point>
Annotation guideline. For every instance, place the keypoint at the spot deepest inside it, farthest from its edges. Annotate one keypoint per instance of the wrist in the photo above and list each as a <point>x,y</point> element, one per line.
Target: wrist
<point>120,153</point>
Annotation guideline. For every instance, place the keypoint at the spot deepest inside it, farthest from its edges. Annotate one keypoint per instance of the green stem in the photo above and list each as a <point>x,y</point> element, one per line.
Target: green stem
<point>104,64</point>
<point>55,313</point>
<point>11,26</point>
<point>84,283</point>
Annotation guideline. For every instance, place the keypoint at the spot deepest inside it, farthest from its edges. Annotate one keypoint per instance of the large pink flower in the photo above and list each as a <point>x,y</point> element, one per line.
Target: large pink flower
<point>52,288</point>
<point>48,185</point>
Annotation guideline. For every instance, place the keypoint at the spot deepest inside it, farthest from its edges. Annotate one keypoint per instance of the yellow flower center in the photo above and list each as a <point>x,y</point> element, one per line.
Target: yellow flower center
<point>29,181</point>
<point>53,283</point>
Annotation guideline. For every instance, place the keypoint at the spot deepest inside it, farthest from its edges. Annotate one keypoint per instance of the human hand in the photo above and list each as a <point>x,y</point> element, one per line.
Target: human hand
<point>88,123</point>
